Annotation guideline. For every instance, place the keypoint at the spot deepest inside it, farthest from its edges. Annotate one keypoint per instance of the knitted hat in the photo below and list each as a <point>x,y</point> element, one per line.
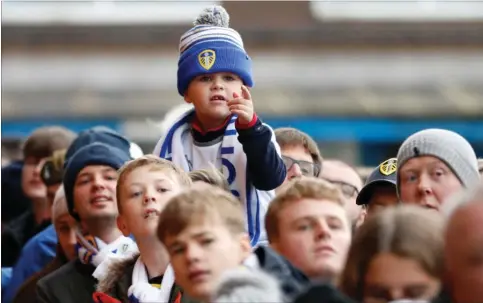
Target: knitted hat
<point>104,135</point>
<point>445,145</point>
<point>92,154</point>
<point>212,47</point>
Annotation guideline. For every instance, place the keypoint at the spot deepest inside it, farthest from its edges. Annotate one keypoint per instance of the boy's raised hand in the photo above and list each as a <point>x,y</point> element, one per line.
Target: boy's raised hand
<point>242,106</point>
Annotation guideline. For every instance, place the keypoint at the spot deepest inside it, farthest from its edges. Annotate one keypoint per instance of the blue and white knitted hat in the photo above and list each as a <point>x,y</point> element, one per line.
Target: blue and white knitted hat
<point>212,47</point>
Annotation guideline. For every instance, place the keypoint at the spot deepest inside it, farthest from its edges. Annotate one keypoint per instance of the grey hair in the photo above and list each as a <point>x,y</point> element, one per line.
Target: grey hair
<point>464,197</point>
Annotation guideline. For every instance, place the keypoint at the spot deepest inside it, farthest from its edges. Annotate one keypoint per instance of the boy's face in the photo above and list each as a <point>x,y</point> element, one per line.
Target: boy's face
<point>32,184</point>
<point>144,195</point>
<point>305,165</point>
<point>427,181</point>
<point>202,252</point>
<point>383,195</point>
<point>95,192</point>
<point>65,226</point>
<point>209,94</point>
<point>314,235</point>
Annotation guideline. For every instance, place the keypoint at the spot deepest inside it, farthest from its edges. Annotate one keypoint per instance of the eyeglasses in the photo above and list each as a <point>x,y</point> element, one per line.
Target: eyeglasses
<point>308,168</point>
<point>348,190</point>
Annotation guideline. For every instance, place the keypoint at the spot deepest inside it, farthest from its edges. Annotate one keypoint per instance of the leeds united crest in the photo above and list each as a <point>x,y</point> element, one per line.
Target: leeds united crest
<point>207,58</point>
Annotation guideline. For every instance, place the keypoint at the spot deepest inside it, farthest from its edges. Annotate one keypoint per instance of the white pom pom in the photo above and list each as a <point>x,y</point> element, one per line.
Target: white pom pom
<point>215,16</point>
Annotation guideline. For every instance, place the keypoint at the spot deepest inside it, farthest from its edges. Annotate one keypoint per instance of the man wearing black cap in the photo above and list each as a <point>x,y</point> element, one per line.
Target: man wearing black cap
<point>380,188</point>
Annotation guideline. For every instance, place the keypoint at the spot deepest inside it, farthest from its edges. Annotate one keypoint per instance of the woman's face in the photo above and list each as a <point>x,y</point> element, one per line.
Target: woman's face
<point>390,277</point>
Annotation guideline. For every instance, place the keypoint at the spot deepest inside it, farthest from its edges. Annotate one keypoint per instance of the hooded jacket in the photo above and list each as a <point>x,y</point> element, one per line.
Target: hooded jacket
<point>119,279</point>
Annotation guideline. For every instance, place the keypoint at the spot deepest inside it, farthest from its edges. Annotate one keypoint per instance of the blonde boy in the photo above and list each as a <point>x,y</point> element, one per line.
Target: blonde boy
<point>143,189</point>
<point>203,230</point>
<point>307,224</point>
<point>214,74</point>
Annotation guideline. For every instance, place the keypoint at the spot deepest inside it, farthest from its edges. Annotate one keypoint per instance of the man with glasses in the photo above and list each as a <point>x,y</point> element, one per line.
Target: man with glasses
<point>300,153</point>
<point>350,183</point>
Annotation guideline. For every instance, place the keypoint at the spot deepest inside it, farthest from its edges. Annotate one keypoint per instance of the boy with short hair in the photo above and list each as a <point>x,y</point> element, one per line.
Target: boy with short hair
<point>203,230</point>
<point>307,224</point>
<point>214,73</point>
<point>144,187</point>
<point>379,190</point>
<point>300,153</point>
<point>40,145</point>
<point>210,176</point>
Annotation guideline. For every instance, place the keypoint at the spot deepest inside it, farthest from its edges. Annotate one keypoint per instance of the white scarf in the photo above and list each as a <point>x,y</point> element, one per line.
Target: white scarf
<point>176,146</point>
<point>92,250</point>
<point>143,292</point>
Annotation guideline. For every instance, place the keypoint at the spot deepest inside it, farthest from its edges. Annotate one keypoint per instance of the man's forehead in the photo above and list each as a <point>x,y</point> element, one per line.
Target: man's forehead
<point>335,170</point>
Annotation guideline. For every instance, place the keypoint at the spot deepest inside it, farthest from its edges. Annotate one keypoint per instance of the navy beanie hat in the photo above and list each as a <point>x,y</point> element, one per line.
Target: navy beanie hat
<point>104,135</point>
<point>92,154</point>
<point>212,47</point>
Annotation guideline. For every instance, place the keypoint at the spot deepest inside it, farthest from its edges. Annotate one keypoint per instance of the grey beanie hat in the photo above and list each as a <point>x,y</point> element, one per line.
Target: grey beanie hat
<point>445,145</point>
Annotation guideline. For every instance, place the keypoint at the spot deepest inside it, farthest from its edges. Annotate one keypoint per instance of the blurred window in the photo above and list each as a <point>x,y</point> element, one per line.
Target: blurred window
<point>101,12</point>
<point>396,10</point>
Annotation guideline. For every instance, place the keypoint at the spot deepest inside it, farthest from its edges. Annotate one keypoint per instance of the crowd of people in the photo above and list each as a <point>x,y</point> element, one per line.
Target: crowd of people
<point>225,209</point>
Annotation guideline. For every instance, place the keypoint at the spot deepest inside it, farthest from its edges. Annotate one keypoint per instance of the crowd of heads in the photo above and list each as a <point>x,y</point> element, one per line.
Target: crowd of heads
<point>188,222</point>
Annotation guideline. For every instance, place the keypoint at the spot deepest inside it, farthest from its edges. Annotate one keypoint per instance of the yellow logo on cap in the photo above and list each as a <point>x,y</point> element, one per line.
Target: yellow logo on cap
<point>388,167</point>
<point>207,58</point>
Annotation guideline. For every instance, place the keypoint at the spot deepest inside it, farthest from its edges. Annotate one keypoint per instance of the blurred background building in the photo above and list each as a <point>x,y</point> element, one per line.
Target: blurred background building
<point>358,76</point>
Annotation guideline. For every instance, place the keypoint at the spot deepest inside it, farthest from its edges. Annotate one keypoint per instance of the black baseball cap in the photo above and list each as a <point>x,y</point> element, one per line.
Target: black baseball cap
<point>385,173</point>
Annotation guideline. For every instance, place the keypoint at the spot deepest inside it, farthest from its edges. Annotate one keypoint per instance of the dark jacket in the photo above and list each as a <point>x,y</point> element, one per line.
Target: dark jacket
<point>292,280</point>
<point>16,234</point>
<point>71,283</point>
<point>14,201</point>
<point>323,293</point>
<point>28,291</point>
<point>119,279</point>
<point>443,297</point>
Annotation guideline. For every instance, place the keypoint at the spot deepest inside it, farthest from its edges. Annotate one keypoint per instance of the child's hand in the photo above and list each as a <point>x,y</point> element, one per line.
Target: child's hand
<point>242,106</point>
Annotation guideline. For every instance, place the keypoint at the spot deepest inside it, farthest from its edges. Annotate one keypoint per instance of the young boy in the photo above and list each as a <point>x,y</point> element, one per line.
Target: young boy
<point>65,227</point>
<point>299,153</point>
<point>380,188</point>
<point>39,145</point>
<point>209,176</point>
<point>203,230</point>
<point>144,186</point>
<point>214,73</point>
<point>307,224</point>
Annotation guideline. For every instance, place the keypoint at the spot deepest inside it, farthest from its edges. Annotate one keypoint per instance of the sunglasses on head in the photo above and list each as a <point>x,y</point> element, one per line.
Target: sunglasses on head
<point>49,174</point>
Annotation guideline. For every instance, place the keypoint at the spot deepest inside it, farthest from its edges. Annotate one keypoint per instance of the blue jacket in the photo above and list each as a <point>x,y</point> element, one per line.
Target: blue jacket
<point>38,252</point>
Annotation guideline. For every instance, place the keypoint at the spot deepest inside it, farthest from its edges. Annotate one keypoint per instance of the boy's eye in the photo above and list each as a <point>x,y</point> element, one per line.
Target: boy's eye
<point>229,78</point>
<point>303,227</point>
<point>206,242</point>
<point>177,250</point>
<point>162,189</point>
<point>83,181</point>
<point>204,78</point>
<point>135,194</point>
